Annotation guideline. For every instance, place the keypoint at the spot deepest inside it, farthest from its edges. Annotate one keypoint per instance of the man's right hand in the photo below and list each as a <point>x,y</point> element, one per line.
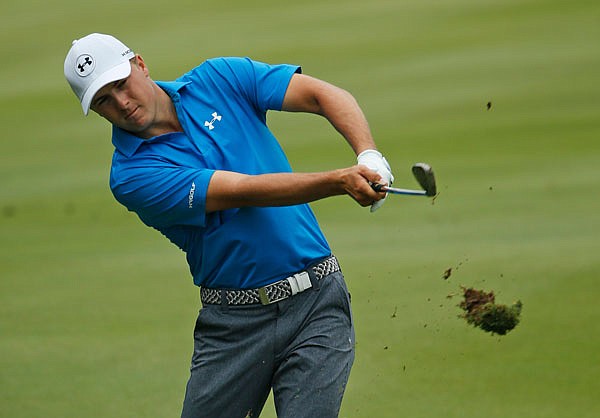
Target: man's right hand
<point>357,183</point>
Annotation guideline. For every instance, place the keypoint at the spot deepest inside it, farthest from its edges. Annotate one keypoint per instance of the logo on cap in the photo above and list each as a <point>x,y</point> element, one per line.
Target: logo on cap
<point>84,65</point>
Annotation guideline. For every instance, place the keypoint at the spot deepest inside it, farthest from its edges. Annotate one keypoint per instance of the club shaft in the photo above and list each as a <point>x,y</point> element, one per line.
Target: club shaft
<point>395,190</point>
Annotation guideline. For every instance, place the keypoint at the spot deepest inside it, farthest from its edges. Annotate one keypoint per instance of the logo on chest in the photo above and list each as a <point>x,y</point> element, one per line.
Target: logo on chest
<point>215,118</point>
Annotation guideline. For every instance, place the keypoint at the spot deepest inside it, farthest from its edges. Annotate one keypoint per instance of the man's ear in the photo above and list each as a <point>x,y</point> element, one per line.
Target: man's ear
<point>139,61</point>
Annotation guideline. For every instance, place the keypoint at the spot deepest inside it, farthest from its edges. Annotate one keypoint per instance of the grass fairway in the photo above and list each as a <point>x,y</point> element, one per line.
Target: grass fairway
<point>97,311</point>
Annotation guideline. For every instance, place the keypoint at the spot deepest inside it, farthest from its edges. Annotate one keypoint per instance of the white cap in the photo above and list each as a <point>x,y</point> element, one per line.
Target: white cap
<point>93,62</point>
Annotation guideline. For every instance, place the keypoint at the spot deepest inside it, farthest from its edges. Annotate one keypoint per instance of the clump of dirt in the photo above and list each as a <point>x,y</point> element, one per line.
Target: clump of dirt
<point>482,311</point>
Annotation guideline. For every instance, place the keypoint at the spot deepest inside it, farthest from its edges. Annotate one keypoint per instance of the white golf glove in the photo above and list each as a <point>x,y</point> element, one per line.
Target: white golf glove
<point>376,162</point>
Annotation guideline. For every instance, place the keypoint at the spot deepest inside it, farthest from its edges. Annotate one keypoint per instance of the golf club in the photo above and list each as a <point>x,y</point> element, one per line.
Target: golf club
<point>424,175</point>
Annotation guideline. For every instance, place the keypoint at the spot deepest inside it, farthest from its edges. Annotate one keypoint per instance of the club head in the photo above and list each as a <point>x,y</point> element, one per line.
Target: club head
<point>424,175</point>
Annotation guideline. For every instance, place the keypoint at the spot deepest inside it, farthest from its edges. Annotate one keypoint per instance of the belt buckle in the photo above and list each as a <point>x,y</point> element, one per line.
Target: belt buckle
<point>298,282</point>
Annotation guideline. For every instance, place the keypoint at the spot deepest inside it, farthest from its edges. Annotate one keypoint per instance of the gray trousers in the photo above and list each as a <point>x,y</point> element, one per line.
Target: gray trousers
<point>301,347</point>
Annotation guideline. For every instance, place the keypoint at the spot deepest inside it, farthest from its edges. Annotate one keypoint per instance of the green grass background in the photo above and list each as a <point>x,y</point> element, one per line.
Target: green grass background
<point>97,311</point>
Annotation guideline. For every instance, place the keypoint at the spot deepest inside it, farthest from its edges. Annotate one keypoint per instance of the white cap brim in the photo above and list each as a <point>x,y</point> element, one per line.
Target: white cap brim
<point>121,71</point>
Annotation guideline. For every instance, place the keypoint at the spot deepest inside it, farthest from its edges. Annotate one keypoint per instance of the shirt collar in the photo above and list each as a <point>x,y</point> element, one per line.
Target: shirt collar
<point>172,87</point>
<point>128,143</point>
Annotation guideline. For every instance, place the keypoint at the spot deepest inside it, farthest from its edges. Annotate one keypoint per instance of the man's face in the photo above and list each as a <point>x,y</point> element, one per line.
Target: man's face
<point>129,103</point>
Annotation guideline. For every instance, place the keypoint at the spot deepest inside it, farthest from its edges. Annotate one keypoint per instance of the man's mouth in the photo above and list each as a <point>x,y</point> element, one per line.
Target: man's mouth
<point>130,114</point>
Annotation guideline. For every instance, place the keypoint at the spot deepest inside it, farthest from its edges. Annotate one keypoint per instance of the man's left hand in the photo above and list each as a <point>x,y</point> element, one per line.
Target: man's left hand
<point>376,162</point>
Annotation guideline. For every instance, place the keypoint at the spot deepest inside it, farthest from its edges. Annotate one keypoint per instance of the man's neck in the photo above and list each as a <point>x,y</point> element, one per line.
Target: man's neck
<point>166,116</point>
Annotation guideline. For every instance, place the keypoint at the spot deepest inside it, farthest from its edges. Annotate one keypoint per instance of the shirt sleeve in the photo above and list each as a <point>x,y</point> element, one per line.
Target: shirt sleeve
<point>262,84</point>
<point>271,83</point>
<point>162,194</point>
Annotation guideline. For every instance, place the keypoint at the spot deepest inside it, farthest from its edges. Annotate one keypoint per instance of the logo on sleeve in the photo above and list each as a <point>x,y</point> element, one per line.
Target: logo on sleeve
<point>191,196</point>
<point>215,118</point>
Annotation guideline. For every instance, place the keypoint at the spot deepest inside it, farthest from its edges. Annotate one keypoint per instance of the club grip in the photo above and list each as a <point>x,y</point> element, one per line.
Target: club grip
<point>377,187</point>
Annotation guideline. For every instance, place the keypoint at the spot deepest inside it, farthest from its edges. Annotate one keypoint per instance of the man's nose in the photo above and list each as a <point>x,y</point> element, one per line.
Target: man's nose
<point>121,99</point>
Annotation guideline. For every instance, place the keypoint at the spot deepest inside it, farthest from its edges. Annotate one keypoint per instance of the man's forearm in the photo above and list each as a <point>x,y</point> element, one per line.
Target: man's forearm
<point>231,190</point>
<point>339,107</point>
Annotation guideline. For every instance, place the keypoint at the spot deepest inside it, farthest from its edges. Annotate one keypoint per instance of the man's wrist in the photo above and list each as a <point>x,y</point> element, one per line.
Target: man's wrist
<point>368,151</point>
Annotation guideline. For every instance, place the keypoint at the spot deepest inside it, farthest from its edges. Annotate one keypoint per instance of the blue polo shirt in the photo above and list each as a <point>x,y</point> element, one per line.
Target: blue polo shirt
<point>222,106</point>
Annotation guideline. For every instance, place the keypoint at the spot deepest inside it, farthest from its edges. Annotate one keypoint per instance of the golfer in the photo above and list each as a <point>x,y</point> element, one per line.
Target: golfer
<point>195,160</point>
